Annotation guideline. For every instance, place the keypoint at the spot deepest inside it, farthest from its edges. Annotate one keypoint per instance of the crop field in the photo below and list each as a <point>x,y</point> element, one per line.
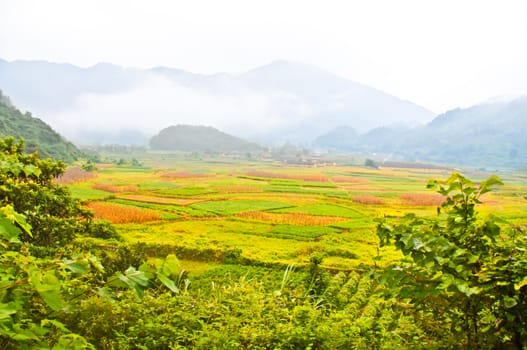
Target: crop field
<point>218,211</point>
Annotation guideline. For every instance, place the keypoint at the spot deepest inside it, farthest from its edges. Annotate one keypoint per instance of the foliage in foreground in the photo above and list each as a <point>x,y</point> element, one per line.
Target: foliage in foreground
<point>41,284</point>
<point>461,269</point>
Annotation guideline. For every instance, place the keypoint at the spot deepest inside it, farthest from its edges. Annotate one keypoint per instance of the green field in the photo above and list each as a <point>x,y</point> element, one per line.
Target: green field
<point>266,213</point>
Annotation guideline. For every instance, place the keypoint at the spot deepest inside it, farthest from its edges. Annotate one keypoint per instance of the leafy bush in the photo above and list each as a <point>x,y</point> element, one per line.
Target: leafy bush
<point>26,183</point>
<point>462,272</point>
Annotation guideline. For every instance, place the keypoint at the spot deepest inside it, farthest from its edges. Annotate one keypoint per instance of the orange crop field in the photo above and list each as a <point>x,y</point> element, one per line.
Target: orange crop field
<point>424,199</point>
<point>122,214</point>
<point>291,218</point>
<point>115,189</point>
<point>367,199</point>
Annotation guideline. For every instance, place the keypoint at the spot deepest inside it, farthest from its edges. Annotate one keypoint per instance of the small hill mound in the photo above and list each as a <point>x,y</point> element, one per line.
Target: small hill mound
<point>38,135</point>
<point>191,138</point>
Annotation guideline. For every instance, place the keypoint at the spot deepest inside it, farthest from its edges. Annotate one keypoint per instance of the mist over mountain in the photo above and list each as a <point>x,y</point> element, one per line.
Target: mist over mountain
<point>46,87</point>
<point>484,135</point>
<point>279,102</point>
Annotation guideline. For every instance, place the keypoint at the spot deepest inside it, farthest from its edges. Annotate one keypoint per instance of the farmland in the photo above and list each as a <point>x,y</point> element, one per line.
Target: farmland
<point>266,213</point>
<point>235,254</point>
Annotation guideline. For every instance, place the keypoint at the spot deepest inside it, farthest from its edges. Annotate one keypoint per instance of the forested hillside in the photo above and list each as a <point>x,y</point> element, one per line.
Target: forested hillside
<point>38,135</point>
<point>486,135</point>
<point>275,103</point>
<point>199,138</point>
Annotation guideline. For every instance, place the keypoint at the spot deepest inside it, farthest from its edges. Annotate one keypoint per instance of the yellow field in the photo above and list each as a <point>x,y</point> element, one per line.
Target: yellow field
<point>268,213</point>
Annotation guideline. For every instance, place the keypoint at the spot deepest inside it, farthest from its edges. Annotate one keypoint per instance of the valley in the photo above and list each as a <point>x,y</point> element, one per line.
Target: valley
<point>263,175</point>
<point>263,213</point>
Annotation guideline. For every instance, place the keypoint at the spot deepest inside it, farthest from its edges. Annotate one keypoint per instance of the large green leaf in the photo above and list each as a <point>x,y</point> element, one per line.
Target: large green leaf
<point>171,266</point>
<point>77,266</point>
<point>134,279</point>
<point>168,282</point>
<point>48,287</point>
<point>7,309</point>
<point>8,231</point>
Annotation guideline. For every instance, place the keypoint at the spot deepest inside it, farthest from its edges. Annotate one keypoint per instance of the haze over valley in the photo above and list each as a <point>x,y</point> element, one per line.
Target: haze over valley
<point>276,103</point>
<point>279,103</point>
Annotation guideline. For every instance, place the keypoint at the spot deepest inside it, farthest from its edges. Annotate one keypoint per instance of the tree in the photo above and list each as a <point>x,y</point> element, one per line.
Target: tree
<point>26,183</point>
<point>461,269</point>
<point>370,163</point>
<point>38,291</point>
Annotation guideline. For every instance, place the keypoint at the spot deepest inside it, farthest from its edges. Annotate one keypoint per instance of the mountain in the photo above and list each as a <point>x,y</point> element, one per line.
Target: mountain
<point>38,135</point>
<point>330,100</point>
<point>342,138</point>
<point>46,87</point>
<point>279,102</point>
<point>190,138</point>
<point>484,135</point>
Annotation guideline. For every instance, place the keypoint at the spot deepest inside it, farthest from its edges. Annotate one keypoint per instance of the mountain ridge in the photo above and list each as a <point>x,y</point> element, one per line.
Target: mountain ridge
<point>490,134</point>
<point>282,101</point>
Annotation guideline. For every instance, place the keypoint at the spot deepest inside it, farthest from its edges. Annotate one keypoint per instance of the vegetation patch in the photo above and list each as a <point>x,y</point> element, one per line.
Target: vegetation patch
<point>114,188</point>
<point>302,233</point>
<point>157,200</point>
<point>183,174</point>
<point>158,186</point>
<point>121,214</point>
<point>349,179</point>
<point>87,193</point>
<point>423,199</point>
<point>239,189</point>
<point>188,191</point>
<point>323,210</point>
<point>74,174</point>
<point>367,199</point>
<point>235,207</point>
<point>355,223</point>
<point>300,219</point>
<point>274,175</point>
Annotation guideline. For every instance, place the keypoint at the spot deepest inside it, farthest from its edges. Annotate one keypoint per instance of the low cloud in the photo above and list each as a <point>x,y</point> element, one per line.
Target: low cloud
<point>159,102</point>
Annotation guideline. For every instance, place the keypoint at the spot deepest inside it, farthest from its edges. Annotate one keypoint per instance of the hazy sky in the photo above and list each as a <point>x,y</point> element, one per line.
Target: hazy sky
<point>439,54</point>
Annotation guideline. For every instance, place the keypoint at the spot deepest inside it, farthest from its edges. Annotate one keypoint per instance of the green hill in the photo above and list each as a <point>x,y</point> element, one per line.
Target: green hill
<point>38,135</point>
<point>191,138</point>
